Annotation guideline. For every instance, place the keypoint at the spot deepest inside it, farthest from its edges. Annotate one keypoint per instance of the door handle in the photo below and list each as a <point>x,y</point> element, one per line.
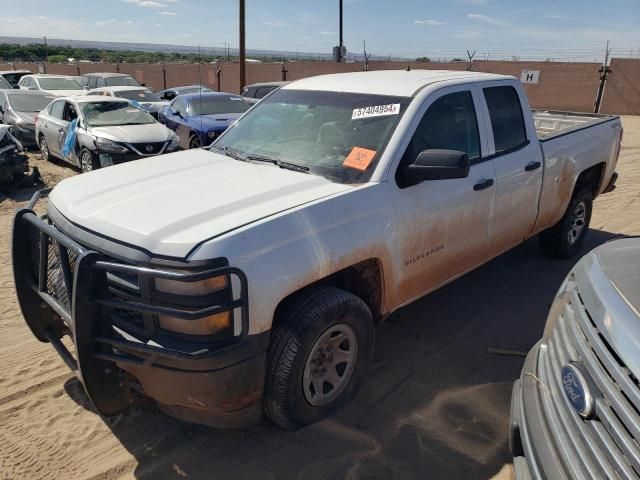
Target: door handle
<point>531,166</point>
<point>482,184</point>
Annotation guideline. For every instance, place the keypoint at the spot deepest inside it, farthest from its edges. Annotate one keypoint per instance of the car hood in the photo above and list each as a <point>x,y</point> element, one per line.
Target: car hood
<point>65,93</point>
<point>27,117</point>
<point>169,204</point>
<point>151,132</point>
<point>212,122</point>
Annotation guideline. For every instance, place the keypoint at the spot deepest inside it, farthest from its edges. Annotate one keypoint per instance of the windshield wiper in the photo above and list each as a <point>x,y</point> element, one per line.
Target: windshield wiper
<point>230,152</point>
<point>280,163</point>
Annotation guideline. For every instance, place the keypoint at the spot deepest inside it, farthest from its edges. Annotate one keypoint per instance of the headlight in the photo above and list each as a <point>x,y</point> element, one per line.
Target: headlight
<point>201,287</point>
<point>175,143</point>
<point>105,145</point>
<point>203,326</point>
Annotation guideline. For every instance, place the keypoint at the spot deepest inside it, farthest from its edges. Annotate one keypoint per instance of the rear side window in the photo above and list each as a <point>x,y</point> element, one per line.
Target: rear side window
<point>449,123</point>
<point>507,121</point>
<point>57,109</point>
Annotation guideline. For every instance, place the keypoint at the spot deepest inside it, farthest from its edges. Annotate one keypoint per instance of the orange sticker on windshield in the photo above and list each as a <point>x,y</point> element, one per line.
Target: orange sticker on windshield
<point>359,158</point>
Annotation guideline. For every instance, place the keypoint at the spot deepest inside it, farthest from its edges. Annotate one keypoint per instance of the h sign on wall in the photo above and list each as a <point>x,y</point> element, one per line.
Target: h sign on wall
<point>530,76</point>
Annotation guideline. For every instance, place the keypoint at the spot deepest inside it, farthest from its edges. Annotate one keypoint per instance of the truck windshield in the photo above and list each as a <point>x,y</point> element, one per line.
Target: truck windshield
<point>103,114</point>
<point>337,135</point>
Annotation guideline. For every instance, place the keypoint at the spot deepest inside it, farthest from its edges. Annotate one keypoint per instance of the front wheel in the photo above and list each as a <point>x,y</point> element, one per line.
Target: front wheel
<point>565,238</point>
<point>44,149</point>
<point>87,161</point>
<point>195,142</point>
<point>319,354</point>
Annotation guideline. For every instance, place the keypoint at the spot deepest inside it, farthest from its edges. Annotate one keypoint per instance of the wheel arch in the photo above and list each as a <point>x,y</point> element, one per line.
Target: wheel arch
<point>591,179</point>
<point>364,279</point>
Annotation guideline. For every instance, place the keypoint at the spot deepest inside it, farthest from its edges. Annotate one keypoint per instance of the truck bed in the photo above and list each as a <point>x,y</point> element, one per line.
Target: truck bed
<point>551,124</point>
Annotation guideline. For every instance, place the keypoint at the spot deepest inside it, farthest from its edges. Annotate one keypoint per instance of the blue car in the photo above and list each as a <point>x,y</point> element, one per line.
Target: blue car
<point>198,119</point>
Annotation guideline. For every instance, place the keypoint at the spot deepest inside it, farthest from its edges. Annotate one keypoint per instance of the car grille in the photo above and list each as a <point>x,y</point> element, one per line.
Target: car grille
<point>150,148</point>
<point>119,286</point>
<point>606,446</point>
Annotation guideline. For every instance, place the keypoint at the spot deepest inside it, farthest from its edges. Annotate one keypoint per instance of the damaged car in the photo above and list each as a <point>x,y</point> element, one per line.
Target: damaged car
<point>92,132</point>
<point>19,109</point>
<point>13,162</point>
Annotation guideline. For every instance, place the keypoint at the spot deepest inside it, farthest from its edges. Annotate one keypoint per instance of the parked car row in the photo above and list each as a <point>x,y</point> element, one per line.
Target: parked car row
<point>42,108</point>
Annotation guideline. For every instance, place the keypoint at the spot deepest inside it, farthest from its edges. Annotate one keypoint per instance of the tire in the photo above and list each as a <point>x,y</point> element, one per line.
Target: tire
<point>194,141</point>
<point>566,237</point>
<point>323,337</point>
<point>88,161</point>
<point>44,149</point>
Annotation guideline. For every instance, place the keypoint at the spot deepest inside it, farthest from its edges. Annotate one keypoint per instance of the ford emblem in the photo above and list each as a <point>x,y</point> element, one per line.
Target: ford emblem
<point>149,148</point>
<point>579,389</point>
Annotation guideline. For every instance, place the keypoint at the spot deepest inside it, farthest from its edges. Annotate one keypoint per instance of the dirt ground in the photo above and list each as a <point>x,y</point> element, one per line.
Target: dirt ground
<point>435,405</point>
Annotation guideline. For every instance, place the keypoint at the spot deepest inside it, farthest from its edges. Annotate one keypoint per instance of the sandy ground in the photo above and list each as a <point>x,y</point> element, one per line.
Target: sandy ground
<point>435,405</point>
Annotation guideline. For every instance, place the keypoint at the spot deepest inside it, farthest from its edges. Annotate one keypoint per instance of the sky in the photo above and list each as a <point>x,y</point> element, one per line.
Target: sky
<point>538,29</point>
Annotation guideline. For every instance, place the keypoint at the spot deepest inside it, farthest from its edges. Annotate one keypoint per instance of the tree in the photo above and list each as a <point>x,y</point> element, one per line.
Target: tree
<point>57,59</point>
<point>423,59</point>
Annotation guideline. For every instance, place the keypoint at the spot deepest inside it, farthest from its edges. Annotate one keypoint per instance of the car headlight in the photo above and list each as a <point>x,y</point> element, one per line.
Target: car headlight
<point>208,325</point>
<point>105,145</point>
<point>175,143</point>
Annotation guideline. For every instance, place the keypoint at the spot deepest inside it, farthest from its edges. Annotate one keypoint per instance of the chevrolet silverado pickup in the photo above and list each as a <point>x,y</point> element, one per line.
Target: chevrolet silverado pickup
<point>574,410</point>
<point>247,277</point>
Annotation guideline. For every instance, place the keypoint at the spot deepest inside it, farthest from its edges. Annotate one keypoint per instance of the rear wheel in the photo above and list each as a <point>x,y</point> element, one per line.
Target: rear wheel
<point>44,149</point>
<point>87,161</point>
<point>319,353</point>
<point>565,238</point>
<point>195,142</point>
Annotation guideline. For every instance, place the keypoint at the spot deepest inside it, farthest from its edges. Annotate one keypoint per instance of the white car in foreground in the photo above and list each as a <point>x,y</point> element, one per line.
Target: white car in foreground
<point>250,276</point>
<point>58,85</point>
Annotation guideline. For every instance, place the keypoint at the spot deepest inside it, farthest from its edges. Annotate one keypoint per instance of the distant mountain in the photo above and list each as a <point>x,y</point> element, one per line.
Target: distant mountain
<point>169,48</point>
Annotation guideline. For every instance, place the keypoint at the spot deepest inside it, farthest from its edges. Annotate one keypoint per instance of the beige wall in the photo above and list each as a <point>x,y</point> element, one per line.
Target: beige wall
<point>562,86</point>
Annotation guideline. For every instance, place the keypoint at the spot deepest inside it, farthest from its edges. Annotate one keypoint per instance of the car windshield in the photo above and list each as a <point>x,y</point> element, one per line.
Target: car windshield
<point>124,81</point>
<point>333,134</point>
<point>138,95</point>
<point>29,103</point>
<point>218,104</point>
<point>14,78</point>
<point>59,84</point>
<point>185,90</point>
<point>102,114</point>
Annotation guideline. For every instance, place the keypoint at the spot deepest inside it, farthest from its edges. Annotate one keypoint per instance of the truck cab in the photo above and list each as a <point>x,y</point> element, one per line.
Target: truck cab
<point>252,273</point>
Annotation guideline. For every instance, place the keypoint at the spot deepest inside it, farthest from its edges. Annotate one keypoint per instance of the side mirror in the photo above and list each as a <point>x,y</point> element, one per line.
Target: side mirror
<point>175,112</point>
<point>16,87</point>
<point>437,164</point>
<point>143,84</point>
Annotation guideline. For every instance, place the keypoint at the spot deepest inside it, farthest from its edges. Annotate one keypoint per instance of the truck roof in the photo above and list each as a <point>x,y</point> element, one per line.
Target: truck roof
<point>400,83</point>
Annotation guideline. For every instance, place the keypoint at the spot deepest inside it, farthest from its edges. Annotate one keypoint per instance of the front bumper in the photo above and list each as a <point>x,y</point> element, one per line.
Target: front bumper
<point>65,288</point>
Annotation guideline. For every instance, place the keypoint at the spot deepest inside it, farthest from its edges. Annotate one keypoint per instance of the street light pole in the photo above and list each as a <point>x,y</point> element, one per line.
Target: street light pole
<point>340,50</point>
<point>242,47</point>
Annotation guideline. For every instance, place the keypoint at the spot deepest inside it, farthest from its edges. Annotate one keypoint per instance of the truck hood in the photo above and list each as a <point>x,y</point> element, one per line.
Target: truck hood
<point>150,132</point>
<point>169,204</point>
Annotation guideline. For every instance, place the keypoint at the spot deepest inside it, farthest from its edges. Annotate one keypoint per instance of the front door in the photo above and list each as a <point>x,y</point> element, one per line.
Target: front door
<point>444,224</point>
<point>54,123</point>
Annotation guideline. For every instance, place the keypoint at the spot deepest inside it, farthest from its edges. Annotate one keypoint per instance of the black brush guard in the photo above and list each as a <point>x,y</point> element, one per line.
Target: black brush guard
<point>61,289</point>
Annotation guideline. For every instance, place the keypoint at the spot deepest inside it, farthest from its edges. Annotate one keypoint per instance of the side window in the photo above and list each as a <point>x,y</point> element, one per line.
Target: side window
<point>57,109</point>
<point>449,123</point>
<point>507,120</point>
<point>69,112</point>
<point>181,106</point>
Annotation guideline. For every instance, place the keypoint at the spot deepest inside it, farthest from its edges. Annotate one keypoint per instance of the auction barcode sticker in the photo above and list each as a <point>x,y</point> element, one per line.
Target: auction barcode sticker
<point>375,111</point>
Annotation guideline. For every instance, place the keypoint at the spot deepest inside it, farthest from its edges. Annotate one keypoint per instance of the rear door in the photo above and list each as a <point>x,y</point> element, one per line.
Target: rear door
<point>443,225</point>
<point>517,160</point>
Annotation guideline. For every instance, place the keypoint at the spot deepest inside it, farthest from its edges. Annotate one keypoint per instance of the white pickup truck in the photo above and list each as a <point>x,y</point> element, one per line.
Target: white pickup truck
<point>248,277</point>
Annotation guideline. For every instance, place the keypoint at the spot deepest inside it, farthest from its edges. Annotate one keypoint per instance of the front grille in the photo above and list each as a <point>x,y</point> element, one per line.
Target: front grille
<point>606,446</point>
<point>150,148</point>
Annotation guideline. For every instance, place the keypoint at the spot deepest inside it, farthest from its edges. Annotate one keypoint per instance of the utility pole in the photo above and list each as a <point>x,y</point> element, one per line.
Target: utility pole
<point>604,71</point>
<point>242,47</point>
<point>46,55</point>
<point>339,56</point>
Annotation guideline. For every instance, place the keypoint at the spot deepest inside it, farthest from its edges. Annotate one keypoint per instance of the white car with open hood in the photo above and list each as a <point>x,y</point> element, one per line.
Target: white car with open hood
<point>248,277</point>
